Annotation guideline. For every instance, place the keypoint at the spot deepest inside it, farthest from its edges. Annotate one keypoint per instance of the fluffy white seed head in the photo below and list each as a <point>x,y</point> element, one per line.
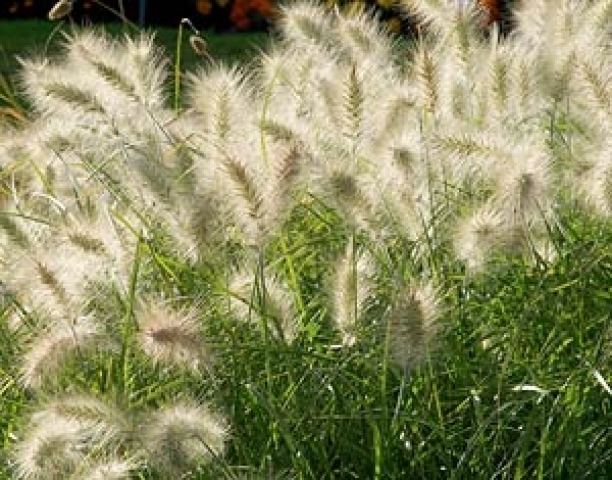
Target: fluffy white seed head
<point>178,437</point>
<point>172,336</point>
<point>595,184</point>
<point>63,433</point>
<point>306,23</point>
<point>104,424</point>
<point>480,235</point>
<point>360,36</point>
<point>284,176</point>
<point>443,16</point>
<point>412,324</point>
<point>49,451</point>
<point>524,186</point>
<point>352,286</point>
<point>48,350</point>
<point>107,469</point>
<point>55,275</point>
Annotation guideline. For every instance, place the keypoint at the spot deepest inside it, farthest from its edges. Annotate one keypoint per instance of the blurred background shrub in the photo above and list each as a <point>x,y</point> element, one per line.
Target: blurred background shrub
<point>225,15</point>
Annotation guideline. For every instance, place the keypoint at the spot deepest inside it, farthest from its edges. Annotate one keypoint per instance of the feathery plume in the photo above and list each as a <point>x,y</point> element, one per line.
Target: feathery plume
<point>54,276</point>
<point>361,34</point>
<point>114,77</point>
<point>147,69</point>
<point>444,17</point>
<point>246,195</point>
<point>524,185</point>
<point>49,349</point>
<point>62,433</point>
<point>99,58</point>
<point>49,451</point>
<point>107,469</point>
<point>470,155</point>
<point>37,285</point>
<point>353,109</point>
<point>396,115</point>
<point>481,234</point>
<point>74,97</point>
<point>412,324</point>
<point>306,23</point>
<point>499,79</point>
<point>352,287</point>
<point>172,337</point>
<point>596,77</point>
<point>596,183</point>
<point>223,99</point>
<point>179,436</point>
<point>347,190</point>
<point>103,423</point>
<point>286,172</point>
<point>598,17</point>
<point>427,74</point>
<point>533,21</point>
<point>430,12</point>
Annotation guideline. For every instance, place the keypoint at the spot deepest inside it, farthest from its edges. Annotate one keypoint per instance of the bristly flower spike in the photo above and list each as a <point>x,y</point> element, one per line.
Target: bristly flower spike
<point>108,469</point>
<point>412,325</point>
<point>48,451</point>
<point>352,288</point>
<point>63,433</point>
<point>480,235</point>
<point>199,46</point>
<point>50,349</point>
<point>183,434</point>
<point>197,43</point>
<point>60,10</point>
<point>172,337</point>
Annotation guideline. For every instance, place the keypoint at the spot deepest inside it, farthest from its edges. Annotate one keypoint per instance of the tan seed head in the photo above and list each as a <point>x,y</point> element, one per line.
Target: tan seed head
<point>60,10</point>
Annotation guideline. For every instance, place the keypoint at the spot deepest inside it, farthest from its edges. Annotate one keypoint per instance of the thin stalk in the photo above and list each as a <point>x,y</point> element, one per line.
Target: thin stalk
<point>122,11</point>
<point>56,29</point>
<point>118,14</point>
<point>177,68</point>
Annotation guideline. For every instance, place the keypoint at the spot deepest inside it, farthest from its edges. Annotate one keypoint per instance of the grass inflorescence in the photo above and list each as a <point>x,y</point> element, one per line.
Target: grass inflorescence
<point>351,259</point>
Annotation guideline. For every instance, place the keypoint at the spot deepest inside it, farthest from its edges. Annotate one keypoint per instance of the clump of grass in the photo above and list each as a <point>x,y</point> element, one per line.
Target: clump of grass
<point>444,210</point>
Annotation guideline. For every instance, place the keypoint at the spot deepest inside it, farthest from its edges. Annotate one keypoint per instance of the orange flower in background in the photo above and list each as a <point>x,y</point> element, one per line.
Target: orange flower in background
<point>244,11</point>
<point>204,7</point>
<point>493,9</point>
